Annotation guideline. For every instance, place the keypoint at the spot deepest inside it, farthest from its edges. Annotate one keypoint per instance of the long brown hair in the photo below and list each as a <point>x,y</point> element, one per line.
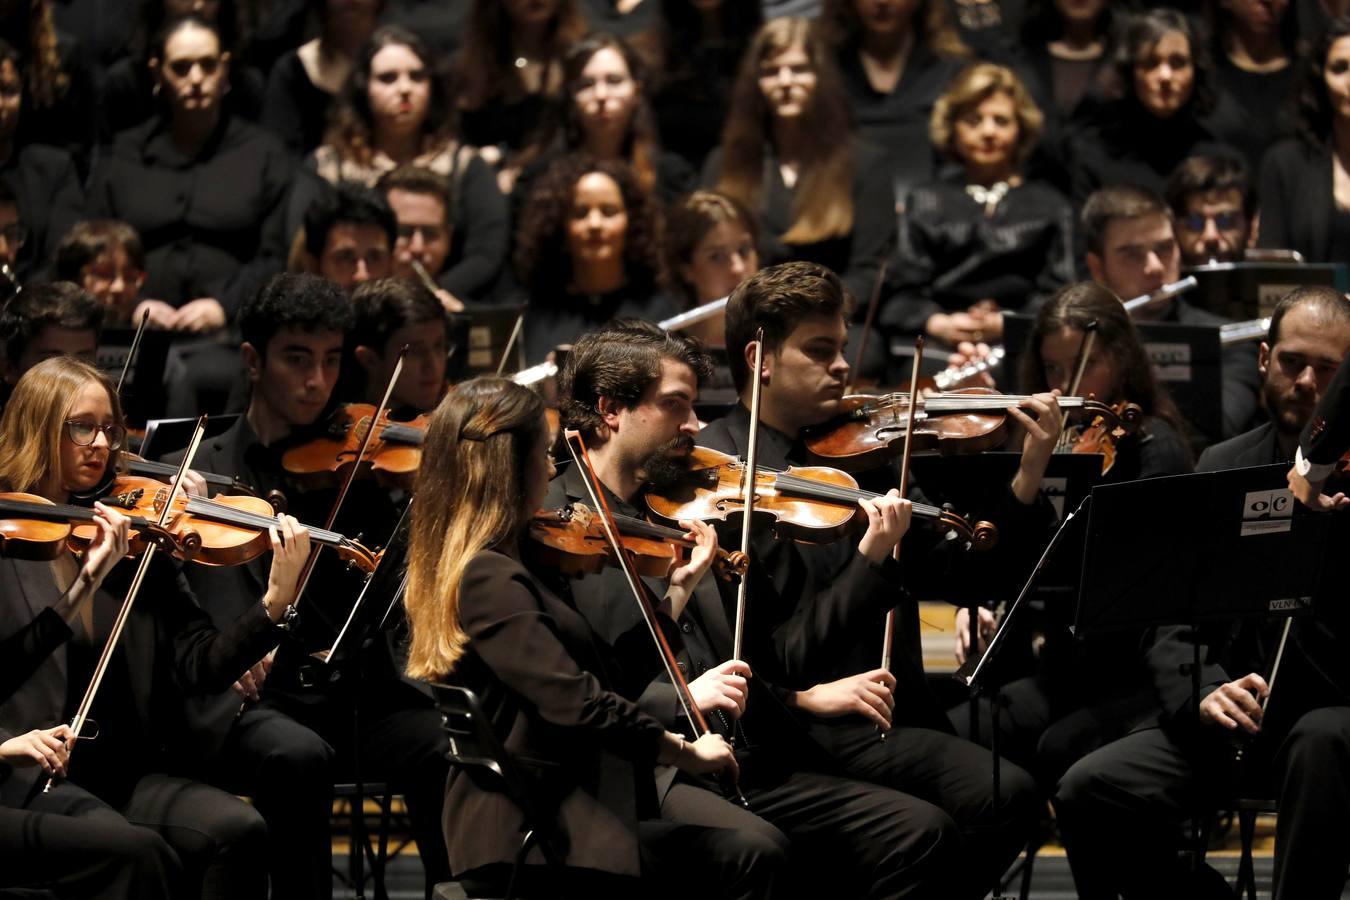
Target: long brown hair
<point>641,146</point>
<point>34,423</point>
<point>470,494</point>
<point>1077,306</point>
<point>823,197</point>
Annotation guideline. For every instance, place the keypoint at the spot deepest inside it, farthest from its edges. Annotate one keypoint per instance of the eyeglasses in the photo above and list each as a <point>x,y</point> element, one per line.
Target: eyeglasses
<point>1224,221</point>
<point>109,275</point>
<point>429,233</point>
<point>83,433</point>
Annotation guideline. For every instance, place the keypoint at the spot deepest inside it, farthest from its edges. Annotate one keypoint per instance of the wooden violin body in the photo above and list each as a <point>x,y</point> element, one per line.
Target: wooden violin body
<point>1102,436</point>
<point>33,527</point>
<point>393,455</point>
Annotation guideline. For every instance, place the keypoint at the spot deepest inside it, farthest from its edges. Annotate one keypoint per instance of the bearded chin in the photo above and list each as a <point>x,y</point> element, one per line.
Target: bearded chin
<point>663,470</point>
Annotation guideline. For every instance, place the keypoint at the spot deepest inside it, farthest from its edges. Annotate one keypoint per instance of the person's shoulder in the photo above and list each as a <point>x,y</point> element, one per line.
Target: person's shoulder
<point>1292,152</point>
<point>1228,454</point>
<point>496,585</point>
<point>44,158</point>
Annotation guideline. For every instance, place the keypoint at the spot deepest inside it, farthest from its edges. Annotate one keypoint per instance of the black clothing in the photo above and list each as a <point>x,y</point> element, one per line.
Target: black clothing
<point>604,15</point>
<point>562,317</point>
<point>856,256</point>
<point>950,254</point>
<point>1327,434</point>
<point>1256,109</point>
<point>511,125</point>
<point>1150,781</point>
<point>202,219</point>
<point>1240,380</point>
<point>440,25</point>
<point>898,122</point>
<point>1298,201</point>
<point>293,107</point>
<point>690,99</point>
<point>989,27</point>
<point>69,121</point>
<point>50,198</point>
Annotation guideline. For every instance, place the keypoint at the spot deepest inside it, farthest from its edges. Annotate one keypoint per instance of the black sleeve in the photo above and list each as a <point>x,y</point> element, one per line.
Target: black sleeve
<point>1162,451</point>
<point>1326,437</point>
<point>22,652</point>
<point>1275,187</point>
<point>482,229</point>
<point>1169,657</point>
<point>1241,388</point>
<point>913,267</point>
<point>274,177</point>
<point>873,223</point>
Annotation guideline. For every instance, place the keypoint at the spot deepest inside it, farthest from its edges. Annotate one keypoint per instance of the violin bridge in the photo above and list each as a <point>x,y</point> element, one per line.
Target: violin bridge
<point>128,499</point>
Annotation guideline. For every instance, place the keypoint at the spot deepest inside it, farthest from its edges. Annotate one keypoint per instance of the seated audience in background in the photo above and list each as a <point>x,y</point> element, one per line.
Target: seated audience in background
<point>710,249</point>
<point>1255,43</point>
<point>988,238</point>
<point>1065,53</point>
<point>895,59</point>
<point>587,250</point>
<point>303,82</point>
<point>1132,249</point>
<point>59,89</point>
<point>1213,209</point>
<point>606,114</point>
<point>388,315</point>
<point>198,184</point>
<point>1161,91</point>
<point>695,50</point>
<point>107,259</point>
<point>1303,185</point>
<point>126,99</point>
<point>397,110</point>
<point>46,320</point>
<point>13,235</point>
<point>427,237</point>
<point>508,78</point>
<point>42,182</point>
<point>787,155</point>
<point>348,237</point>
<point>625,18</point>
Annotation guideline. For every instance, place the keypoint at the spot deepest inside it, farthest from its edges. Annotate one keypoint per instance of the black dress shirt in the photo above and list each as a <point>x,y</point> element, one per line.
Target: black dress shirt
<point>50,198</point>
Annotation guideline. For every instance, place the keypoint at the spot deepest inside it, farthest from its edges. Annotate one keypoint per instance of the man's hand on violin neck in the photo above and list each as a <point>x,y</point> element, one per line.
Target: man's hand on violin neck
<point>887,521</point>
<point>724,688</point>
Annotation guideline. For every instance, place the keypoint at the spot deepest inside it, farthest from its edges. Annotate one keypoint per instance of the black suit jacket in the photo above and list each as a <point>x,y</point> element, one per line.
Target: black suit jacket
<point>546,685</point>
<point>1297,199</point>
<point>1327,435</point>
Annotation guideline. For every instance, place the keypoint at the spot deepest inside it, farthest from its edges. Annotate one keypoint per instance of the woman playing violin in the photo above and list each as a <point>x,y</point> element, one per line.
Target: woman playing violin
<point>546,680</point>
<point>61,431</point>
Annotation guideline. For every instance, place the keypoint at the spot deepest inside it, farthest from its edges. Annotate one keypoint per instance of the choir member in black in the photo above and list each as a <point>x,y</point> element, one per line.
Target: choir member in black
<point>988,27</point>
<point>397,110</point>
<point>697,49</point>
<point>1314,17</point>
<point>293,742</point>
<point>349,237</point>
<point>630,390</point>
<point>1304,185</point>
<point>606,115</point>
<point>59,89</point>
<point>802,308</point>
<point>198,184</point>
<point>46,320</point>
<point>41,181</point>
<point>895,58</point>
<point>1213,210</point>
<point>1145,786</point>
<point>107,259</point>
<point>388,315</point>
<point>1132,250</point>
<point>547,681</point>
<point>1161,85</point>
<point>587,250</point>
<point>987,239</point>
<point>1066,49</point>
<point>71,854</point>
<point>509,77</point>
<point>710,248</point>
<point>788,155</point>
<point>126,100</point>
<point>1255,45</point>
<point>303,83</point>
<point>629,19</point>
<point>61,431</point>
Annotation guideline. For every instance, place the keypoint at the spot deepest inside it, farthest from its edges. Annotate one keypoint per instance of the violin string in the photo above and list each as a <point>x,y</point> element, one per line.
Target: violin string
<point>230,515</point>
<point>846,494</point>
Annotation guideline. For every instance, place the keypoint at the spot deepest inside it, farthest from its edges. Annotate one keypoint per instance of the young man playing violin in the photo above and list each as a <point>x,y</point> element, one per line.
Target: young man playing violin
<point>390,314</point>
<point>803,309</point>
<point>1142,787</point>
<point>294,738</point>
<point>630,390</point>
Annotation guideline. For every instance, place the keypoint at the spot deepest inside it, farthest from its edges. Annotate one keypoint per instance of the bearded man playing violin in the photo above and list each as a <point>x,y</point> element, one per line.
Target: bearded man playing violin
<point>1142,787</point>
<point>630,390</point>
<point>294,739</point>
<point>60,435</point>
<point>803,309</point>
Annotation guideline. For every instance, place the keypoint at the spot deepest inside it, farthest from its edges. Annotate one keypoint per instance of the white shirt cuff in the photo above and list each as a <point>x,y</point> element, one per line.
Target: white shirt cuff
<point>1312,471</point>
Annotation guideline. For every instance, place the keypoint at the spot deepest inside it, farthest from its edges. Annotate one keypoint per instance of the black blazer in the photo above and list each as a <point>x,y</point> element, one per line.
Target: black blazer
<point>50,196</point>
<point>1298,201</point>
<point>545,684</point>
<point>1327,434</point>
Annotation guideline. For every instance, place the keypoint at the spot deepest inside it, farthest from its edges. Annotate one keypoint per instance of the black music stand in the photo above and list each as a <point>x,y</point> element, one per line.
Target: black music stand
<point>144,393</point>
<point>1250,290</point>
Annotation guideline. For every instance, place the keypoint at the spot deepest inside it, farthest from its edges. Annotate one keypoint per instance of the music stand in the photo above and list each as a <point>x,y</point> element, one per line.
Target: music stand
<point>1250,290</point>
<point>144,393</point>
<point>479,335</point>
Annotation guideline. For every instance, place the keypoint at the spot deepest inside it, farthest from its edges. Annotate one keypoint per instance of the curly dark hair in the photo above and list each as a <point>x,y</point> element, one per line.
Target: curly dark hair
<point>1314,106</point>
<point>349,203</point>
<point>541,257</point>
<point>352,124</point>
<point>290,300</point>
<point>1135,34</point>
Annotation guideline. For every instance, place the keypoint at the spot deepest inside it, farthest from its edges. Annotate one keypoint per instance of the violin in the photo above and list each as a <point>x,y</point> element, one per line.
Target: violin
<point>871,430</point>
<point>808,504</point>
<point>35,528</point>
<point>221,531</point>
<point>572,540</point>
<point>393,456</point>
<point>1101,436</point>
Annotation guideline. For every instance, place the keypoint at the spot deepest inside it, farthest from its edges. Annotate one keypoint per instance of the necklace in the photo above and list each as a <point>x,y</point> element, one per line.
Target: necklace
<point>988,197</point>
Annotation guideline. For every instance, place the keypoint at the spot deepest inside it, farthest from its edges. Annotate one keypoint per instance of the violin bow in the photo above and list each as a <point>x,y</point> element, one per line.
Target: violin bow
<point>511,340</point>
<point>597,495</point>
<point>749,476</point>
<point>351,473</point>
<point>888,638</point>
<point>119,624</point>
<point>1079,366</point>
<point>131,354</point>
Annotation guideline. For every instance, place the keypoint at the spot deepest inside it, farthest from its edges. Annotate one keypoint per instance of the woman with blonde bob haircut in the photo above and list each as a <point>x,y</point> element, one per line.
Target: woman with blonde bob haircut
<point>60,434</point>
<point>540,671</point>
<point>986,238</point>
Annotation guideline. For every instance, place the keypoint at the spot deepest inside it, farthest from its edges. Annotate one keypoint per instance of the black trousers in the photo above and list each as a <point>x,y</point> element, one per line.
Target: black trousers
<point>172,838</point>
<point>953,778</point>
<point>289,751</point>
<point>850,837</point>
<point>1122,809</point>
